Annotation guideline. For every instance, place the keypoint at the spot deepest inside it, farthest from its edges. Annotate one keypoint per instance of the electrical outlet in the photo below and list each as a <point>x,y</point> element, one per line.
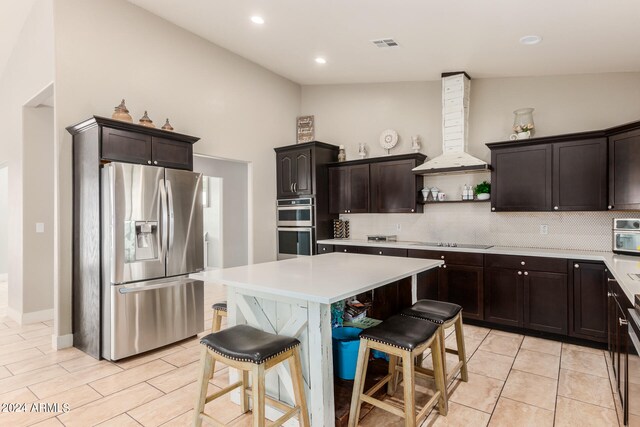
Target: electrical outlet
<point>398,227</point>
<point>39,227</point>
<point>544,229</point>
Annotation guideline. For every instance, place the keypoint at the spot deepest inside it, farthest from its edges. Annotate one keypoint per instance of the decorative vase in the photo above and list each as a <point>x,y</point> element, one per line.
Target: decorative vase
<point>167,126</point>
<point>425,193</point>
<point>121,113</point>
<point>362,151</point>
<point>483,196</point>
<point>342,155</point>
<point>523,121</point>
<point>146,121</point>
<point>520,135</point>
<point>434,193</point>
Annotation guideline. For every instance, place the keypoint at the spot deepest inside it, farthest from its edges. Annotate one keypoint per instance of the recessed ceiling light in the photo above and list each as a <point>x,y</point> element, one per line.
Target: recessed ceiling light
<point>321,60</point>
<point>257,20</point>
<point>529,40</point>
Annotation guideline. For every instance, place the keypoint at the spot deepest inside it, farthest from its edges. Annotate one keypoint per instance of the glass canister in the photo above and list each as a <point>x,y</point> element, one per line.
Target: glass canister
<point>523,120</point>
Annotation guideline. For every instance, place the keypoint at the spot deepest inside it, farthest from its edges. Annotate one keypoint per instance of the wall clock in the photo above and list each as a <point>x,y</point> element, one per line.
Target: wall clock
<point>388,139</point>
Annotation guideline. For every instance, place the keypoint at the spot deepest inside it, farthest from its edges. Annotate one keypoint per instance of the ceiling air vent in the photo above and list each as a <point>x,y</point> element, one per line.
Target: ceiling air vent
<point>385,43</point>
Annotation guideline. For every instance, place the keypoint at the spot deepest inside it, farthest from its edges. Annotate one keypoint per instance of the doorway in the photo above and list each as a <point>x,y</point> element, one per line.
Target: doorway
<point>4,245</point>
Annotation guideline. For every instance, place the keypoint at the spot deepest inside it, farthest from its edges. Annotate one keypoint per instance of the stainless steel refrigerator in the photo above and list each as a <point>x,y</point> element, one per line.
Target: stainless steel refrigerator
<point>151,241</point>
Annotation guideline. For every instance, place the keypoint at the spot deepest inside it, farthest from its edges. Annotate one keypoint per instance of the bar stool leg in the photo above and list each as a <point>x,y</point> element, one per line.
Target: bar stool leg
<point>440,374</point>
<point>358,383</point>
<point>244,396</point>
<point>408,379</point>
<point>207,361</point>
<point>443,352</point>
<point>258,394</point>
<point>393,381</point>
<point>216,323</point>
<point>462,353</point>
<point>298,387</point>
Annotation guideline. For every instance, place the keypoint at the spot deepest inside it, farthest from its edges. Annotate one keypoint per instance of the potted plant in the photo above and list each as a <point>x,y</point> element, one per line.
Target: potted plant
<point>483,190</point>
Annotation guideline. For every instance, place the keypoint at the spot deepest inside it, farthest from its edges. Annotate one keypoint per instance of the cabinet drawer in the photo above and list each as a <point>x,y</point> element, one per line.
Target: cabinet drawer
<point>552,265</point>
<point>449,257</point>
<point>346,248</point>
<point>383,251</point>
<point>324,249</point>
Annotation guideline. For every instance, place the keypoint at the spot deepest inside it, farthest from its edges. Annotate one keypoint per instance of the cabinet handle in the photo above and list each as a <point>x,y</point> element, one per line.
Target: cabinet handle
<point>380,253</point>
<point>609,207</point>
<point>522,263</point>
<point>576,265</point>
<point>295,185</point>
<point>526,273</point>
<point>149,162</point>
<point>555,208</point>
<point>444,265</point>
<point>155,162</point>
<point>291,187</point>
<point>441,256</point>
<point>609,294</point>
<point>622,321</point>
<point>610,280</point>
<point>324,249</point>
<point>411,210</point>
<point>345,250</point>
<point>493,209</point>
<point>519,273</point>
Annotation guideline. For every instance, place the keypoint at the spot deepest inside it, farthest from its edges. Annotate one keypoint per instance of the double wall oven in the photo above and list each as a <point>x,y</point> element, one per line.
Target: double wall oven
<point>296,227</point>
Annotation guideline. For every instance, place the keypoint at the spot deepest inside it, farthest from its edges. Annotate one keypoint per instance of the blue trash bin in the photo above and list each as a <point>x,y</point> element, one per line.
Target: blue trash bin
<point>345,351</point>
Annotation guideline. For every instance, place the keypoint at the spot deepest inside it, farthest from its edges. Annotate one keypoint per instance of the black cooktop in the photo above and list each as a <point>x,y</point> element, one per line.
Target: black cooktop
<point>456,245</point>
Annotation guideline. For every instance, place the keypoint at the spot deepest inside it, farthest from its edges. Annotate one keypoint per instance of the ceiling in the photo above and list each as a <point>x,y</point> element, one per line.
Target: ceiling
<point>12,19</point>
<point>481,37</point>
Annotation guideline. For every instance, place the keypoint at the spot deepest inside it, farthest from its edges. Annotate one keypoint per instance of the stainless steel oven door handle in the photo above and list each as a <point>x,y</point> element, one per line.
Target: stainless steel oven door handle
<point>163,218</point>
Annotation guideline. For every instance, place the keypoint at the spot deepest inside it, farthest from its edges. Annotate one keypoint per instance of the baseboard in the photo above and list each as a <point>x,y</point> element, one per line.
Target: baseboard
<point>32,317</point>
<point>59,342</point>
<point>4,277</point>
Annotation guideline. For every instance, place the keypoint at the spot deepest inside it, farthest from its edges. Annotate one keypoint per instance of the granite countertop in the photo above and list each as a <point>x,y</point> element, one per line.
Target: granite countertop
<point>619,265</point>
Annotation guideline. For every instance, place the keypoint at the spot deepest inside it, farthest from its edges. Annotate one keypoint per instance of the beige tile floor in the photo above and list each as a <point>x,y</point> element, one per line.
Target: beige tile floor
<point>514,381</point>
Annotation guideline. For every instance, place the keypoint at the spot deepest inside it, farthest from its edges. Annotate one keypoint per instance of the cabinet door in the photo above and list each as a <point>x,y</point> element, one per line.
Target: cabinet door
<point>358,189</point>
<point>338,190</point>
<point>123,146</point>
<point>624,173</point>
<point>171,154</point>
<point>302,172</point>
<point>580,175</point>
<point>545,301</point>
<point>393,187</point>
<point>462,285</point>
<point>428,284</point>
<point>521,178</point>
<point>285,174</point>
<point>588,301</point>
<point>503,296</point>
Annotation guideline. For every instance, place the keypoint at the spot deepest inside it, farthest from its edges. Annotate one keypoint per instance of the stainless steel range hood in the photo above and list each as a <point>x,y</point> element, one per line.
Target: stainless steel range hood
<point>455,129</point>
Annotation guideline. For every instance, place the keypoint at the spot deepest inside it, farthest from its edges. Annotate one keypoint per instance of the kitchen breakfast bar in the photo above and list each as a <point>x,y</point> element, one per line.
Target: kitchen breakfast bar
<point>293,298</point>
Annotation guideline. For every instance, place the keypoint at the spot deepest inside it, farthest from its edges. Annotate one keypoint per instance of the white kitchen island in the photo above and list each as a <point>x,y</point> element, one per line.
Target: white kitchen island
<point>293,298</point>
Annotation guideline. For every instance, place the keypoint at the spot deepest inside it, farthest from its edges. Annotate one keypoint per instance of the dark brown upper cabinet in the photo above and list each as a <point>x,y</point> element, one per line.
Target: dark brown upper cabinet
<point>301,170</point>
<point>624,170</point>
<point>119,141</point>
<point>349,189</point>
<point>580,175</point>
<point>377,185</point>
<point>521,178</point>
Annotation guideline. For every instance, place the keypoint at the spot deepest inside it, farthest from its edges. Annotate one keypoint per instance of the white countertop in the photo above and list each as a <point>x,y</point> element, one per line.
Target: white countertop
<point>324,279</point>
<point>619,265</point>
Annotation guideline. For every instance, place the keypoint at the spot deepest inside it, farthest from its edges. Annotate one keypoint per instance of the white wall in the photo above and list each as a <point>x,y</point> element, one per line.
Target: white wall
<point>108,50</point>
<point>4,244</point>
<point>28,71</point>
<point>350,114</point>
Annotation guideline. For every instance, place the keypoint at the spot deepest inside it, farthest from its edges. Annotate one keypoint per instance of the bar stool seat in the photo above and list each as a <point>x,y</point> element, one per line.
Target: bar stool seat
<point>444,314</point>
<point>222,306</point>
<point>247,344</point>
<point>251,351</point>
<point>402,338</point>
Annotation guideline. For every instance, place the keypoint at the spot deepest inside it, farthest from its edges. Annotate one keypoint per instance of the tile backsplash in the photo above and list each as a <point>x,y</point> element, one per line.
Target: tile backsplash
<point>475,223</point>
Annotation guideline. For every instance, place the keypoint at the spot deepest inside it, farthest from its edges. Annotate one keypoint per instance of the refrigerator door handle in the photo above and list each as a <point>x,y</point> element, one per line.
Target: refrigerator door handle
<point>171,221</point>
<point>130,290</point>
<point>163,204</point>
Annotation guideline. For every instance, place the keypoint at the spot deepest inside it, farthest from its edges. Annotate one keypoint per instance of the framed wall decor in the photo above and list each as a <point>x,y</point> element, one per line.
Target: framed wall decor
<point>304,129</point>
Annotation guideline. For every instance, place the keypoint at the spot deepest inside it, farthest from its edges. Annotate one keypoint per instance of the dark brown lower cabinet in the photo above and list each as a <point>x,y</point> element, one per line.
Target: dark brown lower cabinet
<point>428,284</point>
<point>588,301</point>
<point>503,296</point>
<point>545,301</point>
<point>462,285</point>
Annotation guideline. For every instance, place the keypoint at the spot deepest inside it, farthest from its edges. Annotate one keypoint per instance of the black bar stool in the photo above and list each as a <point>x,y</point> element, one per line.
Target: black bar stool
<point>404,338</point>
<point>445,315</point>
<point>219,311</point>
<point>251,351</point>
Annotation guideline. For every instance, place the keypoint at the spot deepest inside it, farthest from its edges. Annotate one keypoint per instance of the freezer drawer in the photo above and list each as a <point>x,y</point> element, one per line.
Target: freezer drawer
<point>147,315</point>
